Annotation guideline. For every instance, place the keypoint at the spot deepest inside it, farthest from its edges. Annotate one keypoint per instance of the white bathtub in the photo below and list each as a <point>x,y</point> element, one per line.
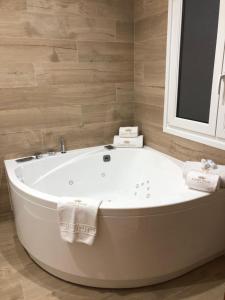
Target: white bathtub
<point>151,227</point>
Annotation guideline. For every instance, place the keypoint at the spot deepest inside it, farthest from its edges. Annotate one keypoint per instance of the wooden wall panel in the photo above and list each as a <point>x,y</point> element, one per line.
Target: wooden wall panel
<point>66,69</point>
<point>116,9</point>
<point>149,81</point>
<point>72,73</point>
<point>50,96</point>
<point>125,92</point>
<point>75,7</point>
<point>16,75</point>
<point>13,5</point>
<point>105,51</point>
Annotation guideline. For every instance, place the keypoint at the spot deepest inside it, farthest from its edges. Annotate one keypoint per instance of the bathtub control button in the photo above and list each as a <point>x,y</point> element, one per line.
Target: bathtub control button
<point>106,158</point>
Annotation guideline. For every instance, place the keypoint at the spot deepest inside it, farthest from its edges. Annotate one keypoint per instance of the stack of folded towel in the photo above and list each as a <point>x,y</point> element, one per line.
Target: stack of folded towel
<point>128,138</point>
<point>204,176</point>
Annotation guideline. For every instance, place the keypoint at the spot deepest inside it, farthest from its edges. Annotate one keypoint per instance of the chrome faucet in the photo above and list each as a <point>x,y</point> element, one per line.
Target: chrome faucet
<point>62,145</point>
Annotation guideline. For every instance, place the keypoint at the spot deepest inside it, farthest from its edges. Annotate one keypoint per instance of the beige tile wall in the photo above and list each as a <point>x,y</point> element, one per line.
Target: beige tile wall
<point>149,61</point>
<point>66,69</point>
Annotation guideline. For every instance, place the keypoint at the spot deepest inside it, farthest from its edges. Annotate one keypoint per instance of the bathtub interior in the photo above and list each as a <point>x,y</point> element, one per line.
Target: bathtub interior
<point>131,174</point>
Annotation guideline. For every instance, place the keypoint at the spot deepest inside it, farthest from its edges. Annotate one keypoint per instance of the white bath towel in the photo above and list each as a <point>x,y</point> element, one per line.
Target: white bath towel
<point>205,182</point>
<point>128,132</point>
<point>197,166</point>
<point>128,142</point>
<point>78,220</point>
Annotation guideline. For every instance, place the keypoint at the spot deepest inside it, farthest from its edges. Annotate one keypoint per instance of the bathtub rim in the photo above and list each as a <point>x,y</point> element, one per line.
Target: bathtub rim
<point>50,201</point>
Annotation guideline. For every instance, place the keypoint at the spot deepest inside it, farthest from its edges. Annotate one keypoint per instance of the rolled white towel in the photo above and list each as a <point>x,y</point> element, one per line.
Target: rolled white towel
<point>197,166</point>
<point>205,182</point>
<point>128,142</point>
<point>78,220</point>
<point>128,132</point>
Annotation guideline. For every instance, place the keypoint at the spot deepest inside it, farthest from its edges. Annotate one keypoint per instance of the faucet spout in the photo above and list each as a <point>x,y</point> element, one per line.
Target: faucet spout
<point>62,145</point>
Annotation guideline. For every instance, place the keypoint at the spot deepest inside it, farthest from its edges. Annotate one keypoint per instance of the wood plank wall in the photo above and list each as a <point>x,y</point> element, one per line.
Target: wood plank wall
<point>66,69</point>
<point>150,31</point>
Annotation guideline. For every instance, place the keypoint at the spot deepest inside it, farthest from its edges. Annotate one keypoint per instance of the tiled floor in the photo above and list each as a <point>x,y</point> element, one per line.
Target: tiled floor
<point>22,279</point>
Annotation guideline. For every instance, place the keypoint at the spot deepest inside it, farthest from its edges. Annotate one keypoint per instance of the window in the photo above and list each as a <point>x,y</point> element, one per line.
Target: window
<point>195,93</point>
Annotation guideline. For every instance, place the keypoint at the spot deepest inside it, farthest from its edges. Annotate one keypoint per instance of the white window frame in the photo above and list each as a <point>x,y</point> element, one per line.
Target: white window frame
<point>193,130</point>
<point>220,130</point>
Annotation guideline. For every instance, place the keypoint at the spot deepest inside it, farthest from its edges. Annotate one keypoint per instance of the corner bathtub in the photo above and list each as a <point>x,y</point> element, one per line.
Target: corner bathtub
<point>151,228</point>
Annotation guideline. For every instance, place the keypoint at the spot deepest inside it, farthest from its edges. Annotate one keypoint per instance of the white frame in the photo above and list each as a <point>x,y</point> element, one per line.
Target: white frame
<point>220,130</point>
<point>193,130</point>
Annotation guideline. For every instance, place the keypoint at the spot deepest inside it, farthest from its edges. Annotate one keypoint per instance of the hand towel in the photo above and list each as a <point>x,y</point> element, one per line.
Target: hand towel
<point>197,166</point>
<point>78,220</point>
<point>200,181</point>
<point>128,142</point>
<point>128,132</point>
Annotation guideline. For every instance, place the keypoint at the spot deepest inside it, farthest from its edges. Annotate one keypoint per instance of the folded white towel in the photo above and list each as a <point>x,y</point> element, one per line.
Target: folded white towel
<point>128,142</point>
<point>78,220</point>
<point>197,166</point>
<point>128,132</point>
<point>205,182</point>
